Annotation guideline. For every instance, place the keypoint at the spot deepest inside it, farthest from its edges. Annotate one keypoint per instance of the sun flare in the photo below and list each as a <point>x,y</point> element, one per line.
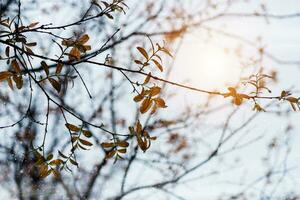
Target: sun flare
<point>207,66</point>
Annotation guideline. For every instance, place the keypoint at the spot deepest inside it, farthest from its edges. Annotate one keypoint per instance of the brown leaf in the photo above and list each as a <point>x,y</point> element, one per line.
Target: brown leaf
<point>123,144</point>
<point>85,142</point>
<point>154,91</point>
<point>146,105</point>
<point>160,102</point>
<point>138,98</point>
<point>58,68</point>
<point>72,127</point>
<point>143,52</point>
<point>159,66</point>
<point>74,54</point>
<point>45,67</point>
<point>87,134</point>
<point>107,145</point>
<point>16,66</point>
<point>83,39</point>
<point>5,75</point>
<point>147,79</point>
<point>55,84</point>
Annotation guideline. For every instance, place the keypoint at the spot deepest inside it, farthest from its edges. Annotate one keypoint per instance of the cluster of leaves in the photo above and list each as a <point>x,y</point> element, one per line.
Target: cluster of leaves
<point>294,101</point>
<point>258,81</point>
<point>47,164</point>
<point>13,76</point>
<point>153,57</point>
<point>149,99</point>
<point>107,8</point>
<point>115,148</point>
<point>142,136</point>
<point>77,140</point>
<point>15,35</point>
<point>78,46</point>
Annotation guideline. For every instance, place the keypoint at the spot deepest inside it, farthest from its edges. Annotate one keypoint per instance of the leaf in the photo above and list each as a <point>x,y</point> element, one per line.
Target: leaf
<point>85,142</point>
<point>154,91</point>
<point>5,75</point>
<point>73,162</point>
<point>167,52</point>
<point>83,39</point>
<point>146,105</point>
<point>147,79</point>
<point>58,68</point>
<point>138,98</point>
<point>33,24</point>
<point>110,154</point>
<point>87,134</point>
<point>16,66</point>
<point>292,99</point>
<point>122,144</point>
<point>55,84</point>
<point>238,100</point>
<point>107,145</point>
<point>143,52</point>
<point>74,54</point>
<point>31,44</point>
<point>293,106</point>
<point>56,162</point>
<point>62,155</point>
<point>18,80</point>
<point>109,15</point>
<point>7,51</point>
<point>160,102</point>
<point>45,67</point>
<point>159,66</point>
<point>72,127</point>
<point>138,62</point>
<point>122,150</point>
<point>10,83</point>
<point>49,157</point>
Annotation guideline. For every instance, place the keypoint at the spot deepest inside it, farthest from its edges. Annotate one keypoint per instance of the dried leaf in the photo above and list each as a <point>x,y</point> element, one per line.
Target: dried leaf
<point>85,142</point>
<point>146,105</point>
<point>5,75</point>
<point>143,52</point>
<point>74,54</point>
<point>72,127</point>
<point>45,67</point>
<point>159,66</point>
<point>55,84</point>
